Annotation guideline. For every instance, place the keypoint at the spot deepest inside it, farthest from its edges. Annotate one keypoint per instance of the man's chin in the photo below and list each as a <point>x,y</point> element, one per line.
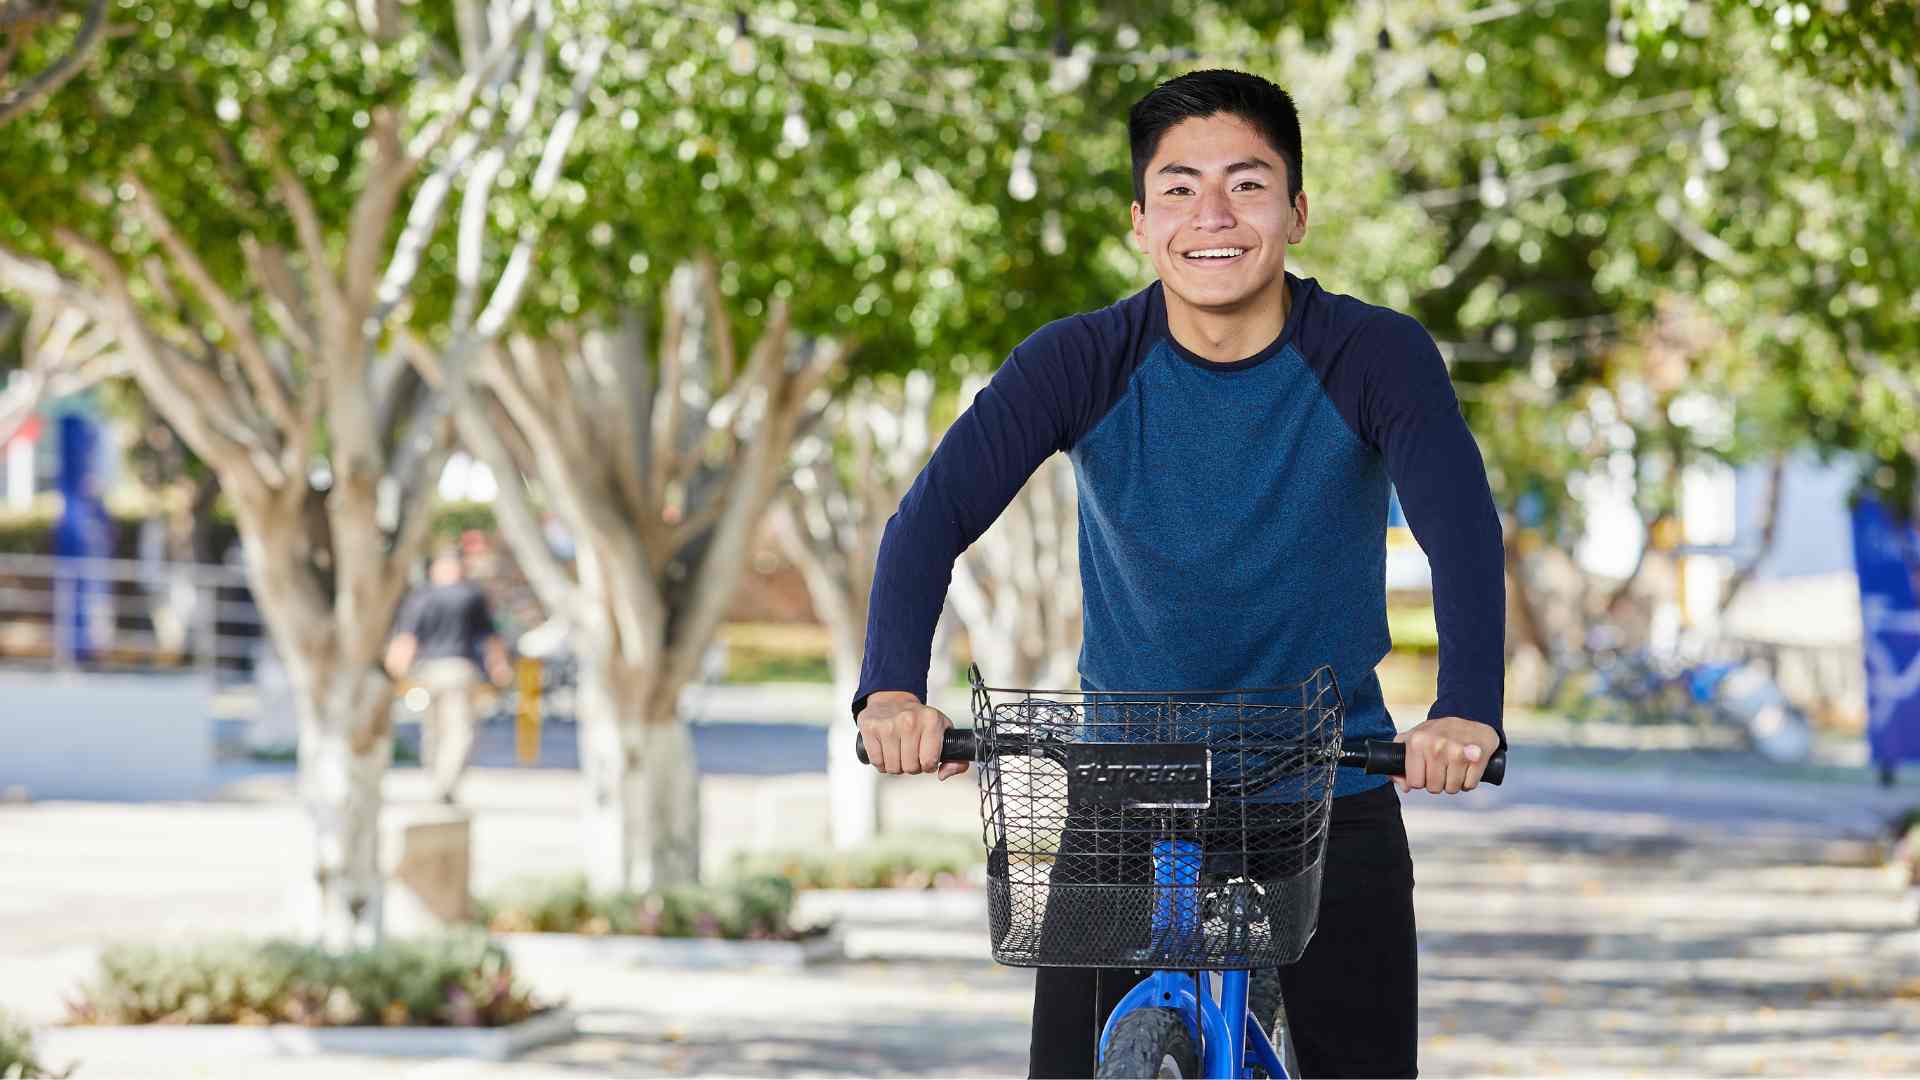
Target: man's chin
<point>1222,296</point>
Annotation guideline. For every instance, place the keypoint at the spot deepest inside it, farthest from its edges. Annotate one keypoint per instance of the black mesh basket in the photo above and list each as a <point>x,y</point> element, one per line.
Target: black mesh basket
<point>1172,831</point>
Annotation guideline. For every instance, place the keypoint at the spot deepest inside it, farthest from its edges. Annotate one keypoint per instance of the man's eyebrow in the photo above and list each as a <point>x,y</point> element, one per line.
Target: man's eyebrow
<point>1238,166</point>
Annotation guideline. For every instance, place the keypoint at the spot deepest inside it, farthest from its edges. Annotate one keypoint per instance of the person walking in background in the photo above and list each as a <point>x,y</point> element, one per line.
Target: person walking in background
<point>443,635</point>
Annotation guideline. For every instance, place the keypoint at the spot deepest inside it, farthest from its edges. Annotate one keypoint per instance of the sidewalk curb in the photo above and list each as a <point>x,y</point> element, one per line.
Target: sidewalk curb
<point>935,909</point>
<point>903,943</point>
<point>219,1041</point>
<point>711,954</point>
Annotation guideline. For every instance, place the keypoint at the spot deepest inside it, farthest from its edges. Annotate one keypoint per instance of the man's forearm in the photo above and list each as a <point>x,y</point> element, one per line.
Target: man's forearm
<point>400,655</point>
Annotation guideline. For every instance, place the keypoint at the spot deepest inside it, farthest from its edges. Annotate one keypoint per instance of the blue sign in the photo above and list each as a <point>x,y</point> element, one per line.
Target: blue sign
<point>84,531</point>
<point>1886,556</point>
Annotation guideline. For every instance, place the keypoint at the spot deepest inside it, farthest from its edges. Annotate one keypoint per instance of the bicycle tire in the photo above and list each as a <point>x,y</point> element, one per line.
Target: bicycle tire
<point>1150,1043</point>
<point>1263,1000</point>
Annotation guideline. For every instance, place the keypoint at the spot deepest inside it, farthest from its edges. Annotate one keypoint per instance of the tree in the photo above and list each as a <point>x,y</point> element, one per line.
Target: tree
<point>848,475</point>
<point>247,200</point>
<point>662,475</point>
<point>61,350</point>
<point>810,189</point>
<point>43,33</point>
<point>1627,200</point>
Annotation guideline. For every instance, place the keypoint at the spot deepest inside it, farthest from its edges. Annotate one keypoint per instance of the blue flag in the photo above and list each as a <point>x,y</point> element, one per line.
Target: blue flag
<point>1886,556</point>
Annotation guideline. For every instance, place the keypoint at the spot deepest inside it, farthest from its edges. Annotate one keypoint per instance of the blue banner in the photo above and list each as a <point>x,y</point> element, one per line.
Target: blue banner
<point>83,531</point>
<point>1886,556</point>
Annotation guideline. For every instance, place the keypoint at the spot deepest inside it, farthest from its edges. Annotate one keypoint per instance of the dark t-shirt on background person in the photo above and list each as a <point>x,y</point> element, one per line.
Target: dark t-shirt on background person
<point>451,620</point>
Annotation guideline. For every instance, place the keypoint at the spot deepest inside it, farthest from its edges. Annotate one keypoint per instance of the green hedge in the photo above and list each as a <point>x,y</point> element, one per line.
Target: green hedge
<point>17,1061</point>
<point>460,980</point>
<point>746,908</point>
<point>906,860</point>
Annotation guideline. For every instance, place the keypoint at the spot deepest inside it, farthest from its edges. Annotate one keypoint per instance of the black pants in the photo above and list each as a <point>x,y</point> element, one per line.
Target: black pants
<point>1351,999</point>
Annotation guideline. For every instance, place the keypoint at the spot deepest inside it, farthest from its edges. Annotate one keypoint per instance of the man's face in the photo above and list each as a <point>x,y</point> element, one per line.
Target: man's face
<point>445,569</point>
<point>1214,185</point>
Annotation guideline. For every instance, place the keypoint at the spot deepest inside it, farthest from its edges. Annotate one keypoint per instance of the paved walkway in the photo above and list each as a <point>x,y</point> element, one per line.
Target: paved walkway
<point>1587,919</point>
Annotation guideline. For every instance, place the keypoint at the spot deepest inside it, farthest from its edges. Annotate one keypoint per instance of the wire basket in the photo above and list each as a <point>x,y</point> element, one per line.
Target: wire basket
<point>1172,831</point>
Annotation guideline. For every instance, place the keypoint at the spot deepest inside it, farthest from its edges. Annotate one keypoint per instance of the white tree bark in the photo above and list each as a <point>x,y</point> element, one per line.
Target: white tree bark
<point>329,537</point>
<point>62,350</point>
<point>848,477</point>
<point>661,469</point>
<point>642,785</point>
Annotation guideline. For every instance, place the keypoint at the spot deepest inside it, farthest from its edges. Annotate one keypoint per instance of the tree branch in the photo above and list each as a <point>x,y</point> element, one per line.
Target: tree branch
<point>267,387</point>
<point>1769,526</point>
<point>720,565</point>
<point>284,302</point>
<point>194,402</point>
<point>313,241</point>
<point>724,357</point>
<point>545,572</point>
<point>424,215</point>
<point>57,74</point>
<point>506,293</point>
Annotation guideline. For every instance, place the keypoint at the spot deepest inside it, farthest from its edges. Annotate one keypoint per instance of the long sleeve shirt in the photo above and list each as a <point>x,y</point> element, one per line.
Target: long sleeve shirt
<point>1232,515</point>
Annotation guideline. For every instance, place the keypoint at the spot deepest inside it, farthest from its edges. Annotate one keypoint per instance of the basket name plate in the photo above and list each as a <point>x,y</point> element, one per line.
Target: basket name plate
<point>1139,775</point>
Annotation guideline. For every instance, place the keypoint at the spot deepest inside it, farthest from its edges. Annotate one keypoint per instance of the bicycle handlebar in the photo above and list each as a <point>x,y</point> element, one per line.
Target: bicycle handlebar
<point>1378,757</point>
<point>956,745</point>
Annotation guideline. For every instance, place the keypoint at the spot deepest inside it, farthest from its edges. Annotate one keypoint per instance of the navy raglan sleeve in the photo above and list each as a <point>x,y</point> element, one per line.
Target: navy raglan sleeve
<point>1408,411</point>
<point>1036,404</point>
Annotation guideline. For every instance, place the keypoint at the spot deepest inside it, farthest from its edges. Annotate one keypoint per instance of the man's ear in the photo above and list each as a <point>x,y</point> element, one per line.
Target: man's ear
<point>1140,229</point>
<point>1299,230</point>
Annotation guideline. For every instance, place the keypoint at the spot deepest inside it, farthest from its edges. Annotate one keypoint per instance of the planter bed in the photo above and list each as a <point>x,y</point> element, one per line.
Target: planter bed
<point>58,1045</point>
<point>636,950</point>
<point>928,909</point>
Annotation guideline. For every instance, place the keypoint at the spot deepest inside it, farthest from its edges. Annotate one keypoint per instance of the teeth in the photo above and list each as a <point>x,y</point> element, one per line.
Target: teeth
<point>1216,253</point>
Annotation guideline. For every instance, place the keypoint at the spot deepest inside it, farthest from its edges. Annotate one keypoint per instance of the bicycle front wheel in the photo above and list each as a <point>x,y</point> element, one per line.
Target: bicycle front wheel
<point>1150,1043</point>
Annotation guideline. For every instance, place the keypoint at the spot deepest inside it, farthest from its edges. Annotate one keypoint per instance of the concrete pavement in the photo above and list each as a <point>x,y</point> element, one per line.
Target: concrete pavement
<point>1589,918</point>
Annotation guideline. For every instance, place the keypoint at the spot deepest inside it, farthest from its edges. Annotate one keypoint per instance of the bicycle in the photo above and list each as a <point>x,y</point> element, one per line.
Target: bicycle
<point>1178,832</point>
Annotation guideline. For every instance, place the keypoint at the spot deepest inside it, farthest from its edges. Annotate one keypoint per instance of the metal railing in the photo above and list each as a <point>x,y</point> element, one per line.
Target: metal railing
<point>126,614</point>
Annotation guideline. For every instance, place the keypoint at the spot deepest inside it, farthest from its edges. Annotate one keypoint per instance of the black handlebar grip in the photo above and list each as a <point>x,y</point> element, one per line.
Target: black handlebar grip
<point>1381,757</point>
<point>957,744</point>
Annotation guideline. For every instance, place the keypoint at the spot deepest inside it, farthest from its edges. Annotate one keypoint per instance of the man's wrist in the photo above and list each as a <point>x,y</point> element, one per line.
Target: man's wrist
<point>892,697</point>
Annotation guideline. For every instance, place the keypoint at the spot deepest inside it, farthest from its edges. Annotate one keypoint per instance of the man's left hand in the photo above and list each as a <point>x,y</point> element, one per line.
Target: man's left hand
<point>1447,754</point>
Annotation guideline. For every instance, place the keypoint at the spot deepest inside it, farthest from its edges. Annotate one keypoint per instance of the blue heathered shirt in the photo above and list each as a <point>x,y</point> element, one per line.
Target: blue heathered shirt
<point>1232,515</point>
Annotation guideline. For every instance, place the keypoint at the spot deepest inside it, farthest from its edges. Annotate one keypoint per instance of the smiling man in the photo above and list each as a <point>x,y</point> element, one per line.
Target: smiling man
<point>1234,429</point>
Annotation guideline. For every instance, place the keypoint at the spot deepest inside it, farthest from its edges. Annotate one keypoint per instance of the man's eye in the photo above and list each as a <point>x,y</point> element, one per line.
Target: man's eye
<point>1249,183</point>
<point>1178,191</point>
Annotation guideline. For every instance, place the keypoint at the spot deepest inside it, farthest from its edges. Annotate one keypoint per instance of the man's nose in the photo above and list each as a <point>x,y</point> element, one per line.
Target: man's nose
<point>1215,210</point>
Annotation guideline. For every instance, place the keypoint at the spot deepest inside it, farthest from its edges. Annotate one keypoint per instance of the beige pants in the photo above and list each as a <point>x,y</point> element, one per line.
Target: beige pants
<point>446,738</point>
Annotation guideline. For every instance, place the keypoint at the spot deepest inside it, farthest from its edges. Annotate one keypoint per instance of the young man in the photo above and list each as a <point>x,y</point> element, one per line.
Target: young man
<point>444,632</point>
<point>1234,429</point>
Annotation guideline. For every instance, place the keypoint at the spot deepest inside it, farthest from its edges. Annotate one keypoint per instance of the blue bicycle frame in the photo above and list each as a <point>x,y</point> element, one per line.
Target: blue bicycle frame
<point>1227,1049</point>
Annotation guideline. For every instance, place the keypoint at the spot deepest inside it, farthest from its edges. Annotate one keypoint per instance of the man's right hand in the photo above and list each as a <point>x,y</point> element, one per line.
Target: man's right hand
<point>903,736</point>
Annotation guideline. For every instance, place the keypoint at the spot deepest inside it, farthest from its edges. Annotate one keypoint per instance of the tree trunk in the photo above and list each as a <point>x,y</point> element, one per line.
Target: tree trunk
<point>642,812</point>
<point>346,746</point>
<point>853,789</point>
<point>1520,586</point>
<point>1769,527</point>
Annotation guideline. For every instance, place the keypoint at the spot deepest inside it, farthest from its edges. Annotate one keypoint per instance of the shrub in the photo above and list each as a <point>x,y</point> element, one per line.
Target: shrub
<point>745,908</point>
<point>460,980</point>
<point>16,1052</point>
<point>909,860</point>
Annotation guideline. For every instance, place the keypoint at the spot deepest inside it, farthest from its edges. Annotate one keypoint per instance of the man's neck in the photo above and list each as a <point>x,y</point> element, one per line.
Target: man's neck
<point>1226,336</point>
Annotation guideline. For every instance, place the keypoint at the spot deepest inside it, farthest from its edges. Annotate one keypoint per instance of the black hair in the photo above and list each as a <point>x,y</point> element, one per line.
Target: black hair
<point>1200,94</point>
